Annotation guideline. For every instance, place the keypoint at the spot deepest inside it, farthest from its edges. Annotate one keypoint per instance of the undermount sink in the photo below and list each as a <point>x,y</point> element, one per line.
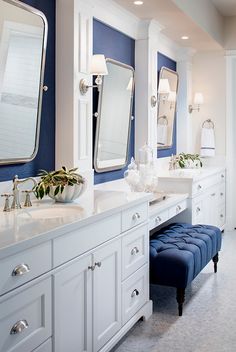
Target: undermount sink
<point>56,211</point>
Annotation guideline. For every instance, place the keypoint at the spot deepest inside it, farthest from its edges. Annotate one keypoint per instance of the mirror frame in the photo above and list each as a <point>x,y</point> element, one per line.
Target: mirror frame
<point>169,146</point>
<point>121,166</point>
<point>37,12</point>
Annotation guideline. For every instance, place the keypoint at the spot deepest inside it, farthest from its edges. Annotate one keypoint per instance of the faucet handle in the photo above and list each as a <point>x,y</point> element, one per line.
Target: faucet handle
<point>27,198</point>
<point>7,196</point>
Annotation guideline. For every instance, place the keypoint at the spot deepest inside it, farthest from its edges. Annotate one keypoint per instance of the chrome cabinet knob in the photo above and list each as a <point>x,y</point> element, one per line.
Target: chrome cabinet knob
<point>213,194</point>
<point>136,217</point>
<point>20,270</point>
<point>91,267</point>
<point>134,251</point>
<point>45,88</point>
<point>222,194</point>
<point>158,219</point>
<point>198,209</point>
<point>135,293</point>
<point>221,215</point>
<point>222,176</point>
<point>199,187</point>
<point>178,208</point>
<point>19,327</point>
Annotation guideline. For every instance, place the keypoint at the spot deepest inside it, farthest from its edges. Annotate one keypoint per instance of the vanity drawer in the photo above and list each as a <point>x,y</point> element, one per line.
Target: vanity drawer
<point>134,250</point>
<point>177,209</point>
<point>77,242</point>
<point>24,266</point>
<point>134,216</point>
<point>25,319</point>
<point>221,193</point>
<point>158,219</point>
<point>45,347</point>
<point>134,293</point>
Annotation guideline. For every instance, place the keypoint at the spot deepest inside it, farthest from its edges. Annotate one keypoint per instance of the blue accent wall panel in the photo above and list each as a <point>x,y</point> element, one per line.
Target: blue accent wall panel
<point>114,45</point>
<point>171,64</point>
<point>45,158</point>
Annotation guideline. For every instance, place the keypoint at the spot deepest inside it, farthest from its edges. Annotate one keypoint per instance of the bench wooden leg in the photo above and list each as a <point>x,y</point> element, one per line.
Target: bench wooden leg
<point>180,296</point>
<point>215,261</point>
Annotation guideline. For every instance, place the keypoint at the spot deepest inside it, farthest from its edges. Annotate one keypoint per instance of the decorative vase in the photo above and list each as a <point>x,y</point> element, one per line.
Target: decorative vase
<point>69,194</point>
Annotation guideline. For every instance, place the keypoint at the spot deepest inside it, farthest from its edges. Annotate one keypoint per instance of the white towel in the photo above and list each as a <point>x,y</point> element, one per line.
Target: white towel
<point>162,134</point>
<point>207,142</point>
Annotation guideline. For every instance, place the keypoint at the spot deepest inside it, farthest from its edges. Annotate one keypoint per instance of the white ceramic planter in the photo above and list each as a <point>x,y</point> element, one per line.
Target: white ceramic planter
<point>69,193</point>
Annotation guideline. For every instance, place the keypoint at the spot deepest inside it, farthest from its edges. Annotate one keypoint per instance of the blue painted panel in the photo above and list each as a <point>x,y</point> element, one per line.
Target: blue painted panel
<point>45,158</point>
<point>171,64</point>
<point>114,45</point>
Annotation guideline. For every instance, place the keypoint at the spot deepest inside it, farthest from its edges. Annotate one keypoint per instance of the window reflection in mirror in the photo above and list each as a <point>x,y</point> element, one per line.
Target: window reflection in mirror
<point>167,96</point>
<point>23,32</point>
<point>114,117</point>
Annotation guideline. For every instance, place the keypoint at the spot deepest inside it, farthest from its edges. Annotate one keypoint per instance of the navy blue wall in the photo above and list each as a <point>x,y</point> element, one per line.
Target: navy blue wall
<point>171,64</point>
<point>117,46</point>
<point>45,158</point>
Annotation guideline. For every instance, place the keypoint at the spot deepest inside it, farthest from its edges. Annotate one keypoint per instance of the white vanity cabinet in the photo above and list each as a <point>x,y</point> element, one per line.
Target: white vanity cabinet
<point>87,302</point>
<point>206,203</point>
<point>75,286</point>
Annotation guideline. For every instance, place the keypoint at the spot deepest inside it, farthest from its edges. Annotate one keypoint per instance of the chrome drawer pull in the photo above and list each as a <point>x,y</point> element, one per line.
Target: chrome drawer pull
<point>222,194</point>
<point>136,216</point>
<point>158,219</point>
<point>19,327</point>
<point>134,293</point>
<point>178,208</point>
<point>134,251</point>
<point>91,267</point>
<point>199,187</point>
<point>213,194</point>
<point>20,270</point>
<point>198,209</point>
<point>98,264</point>
<point>222,176</point>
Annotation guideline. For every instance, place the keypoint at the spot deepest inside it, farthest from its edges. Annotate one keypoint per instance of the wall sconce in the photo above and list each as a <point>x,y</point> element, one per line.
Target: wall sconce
<point>163,89</point>
<point>198,100</point>
<point>98,68</point>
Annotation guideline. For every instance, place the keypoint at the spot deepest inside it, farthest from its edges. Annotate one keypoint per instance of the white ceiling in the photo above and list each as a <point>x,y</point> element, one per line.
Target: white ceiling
<point>175,22</point>
<point>225,7</point>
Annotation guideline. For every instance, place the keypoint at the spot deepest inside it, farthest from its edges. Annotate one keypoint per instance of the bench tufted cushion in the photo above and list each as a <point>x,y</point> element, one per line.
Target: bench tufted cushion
<point>180,251</point>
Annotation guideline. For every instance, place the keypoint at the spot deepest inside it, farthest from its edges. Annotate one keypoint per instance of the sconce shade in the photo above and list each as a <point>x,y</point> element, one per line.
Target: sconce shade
<point>164,86</point>
<point>98,65</point>
<point>198,99</point>
<point>172,96</point>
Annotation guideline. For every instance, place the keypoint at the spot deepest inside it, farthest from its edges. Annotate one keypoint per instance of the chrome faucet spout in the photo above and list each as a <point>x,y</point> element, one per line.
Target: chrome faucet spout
<point>16,193</point>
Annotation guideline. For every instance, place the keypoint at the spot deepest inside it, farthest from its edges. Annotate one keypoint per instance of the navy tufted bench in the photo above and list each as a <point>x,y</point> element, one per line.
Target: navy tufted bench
<point>179,252</point>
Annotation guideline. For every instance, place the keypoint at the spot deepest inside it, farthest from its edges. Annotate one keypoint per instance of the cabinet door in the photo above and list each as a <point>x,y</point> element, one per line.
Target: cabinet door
<point>211,203</point>
<point>106,293</point>
<point>73,307</point>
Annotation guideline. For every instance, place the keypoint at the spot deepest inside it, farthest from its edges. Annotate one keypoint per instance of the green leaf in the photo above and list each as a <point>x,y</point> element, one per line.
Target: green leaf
<point>56,190</point>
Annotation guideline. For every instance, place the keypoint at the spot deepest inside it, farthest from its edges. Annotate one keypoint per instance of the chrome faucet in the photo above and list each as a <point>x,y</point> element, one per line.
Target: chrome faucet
<point>16,193</point>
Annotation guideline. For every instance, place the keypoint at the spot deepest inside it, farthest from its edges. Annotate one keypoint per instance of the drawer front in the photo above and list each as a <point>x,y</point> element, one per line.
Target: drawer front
<point>221,216</point>
<point>82,240</point>
<point>177,209</point>
<point>45,347</point>
<point>202,185</point>
<point>134,216</point>
<point>134,250</point>
<point>134,293</point>
<point>221,194</point>
<point>25,320</point>
<point>158,219</point>
<point>221,176</point>
<point>24,266</point>
<point>198,213</point>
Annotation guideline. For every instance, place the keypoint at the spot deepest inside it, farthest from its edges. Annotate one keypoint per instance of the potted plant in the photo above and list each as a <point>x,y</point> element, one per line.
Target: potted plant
<point>188,161</point>
<point>63,185</point>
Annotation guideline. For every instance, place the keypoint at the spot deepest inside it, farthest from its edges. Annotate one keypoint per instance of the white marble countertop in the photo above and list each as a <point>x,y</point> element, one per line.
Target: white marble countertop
<point>24,228</point>
<point>190,175</point>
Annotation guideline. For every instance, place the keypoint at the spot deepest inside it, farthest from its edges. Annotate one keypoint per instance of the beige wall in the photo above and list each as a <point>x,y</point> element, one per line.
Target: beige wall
<point>209,77</point>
